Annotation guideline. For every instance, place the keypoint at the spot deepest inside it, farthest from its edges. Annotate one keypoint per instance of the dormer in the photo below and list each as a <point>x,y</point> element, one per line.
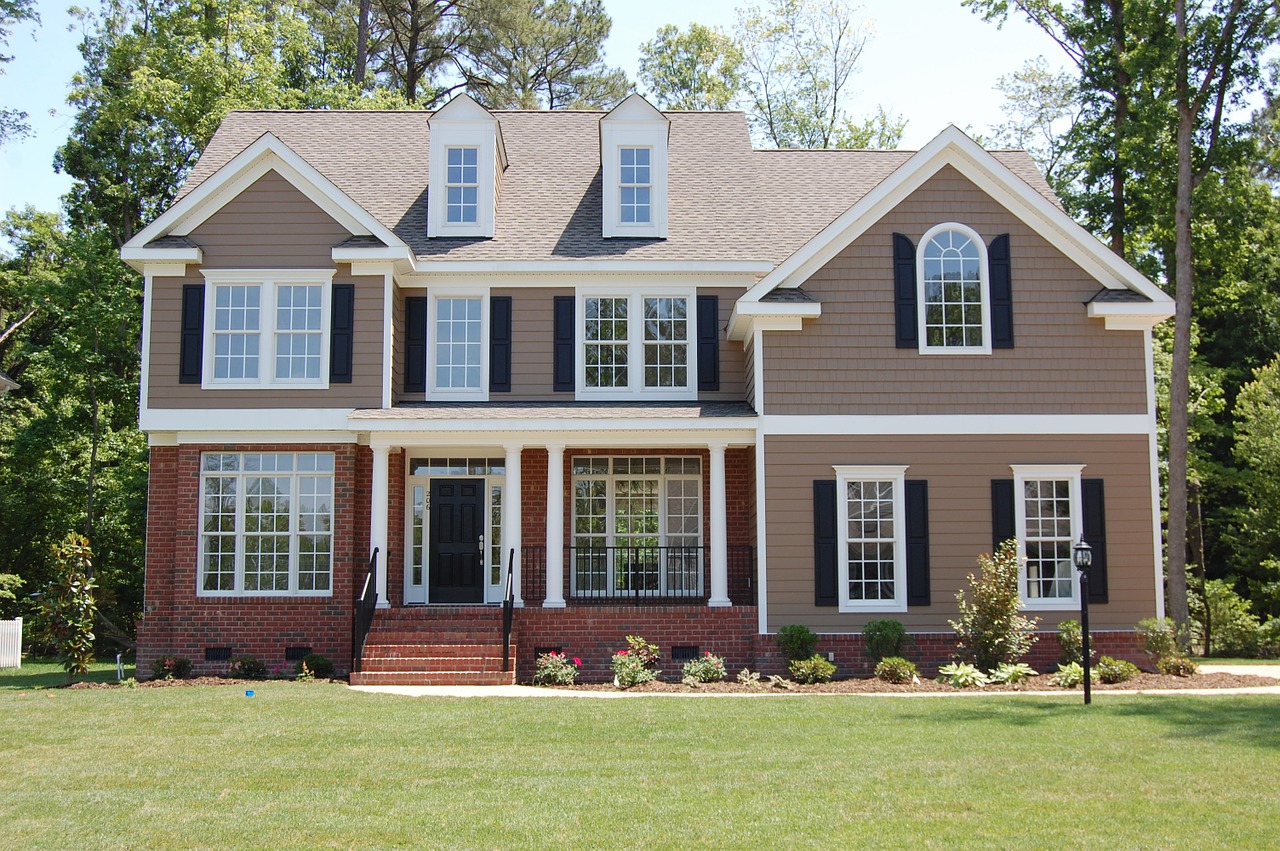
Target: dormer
<point>465,172</point>
<point>633,168</point>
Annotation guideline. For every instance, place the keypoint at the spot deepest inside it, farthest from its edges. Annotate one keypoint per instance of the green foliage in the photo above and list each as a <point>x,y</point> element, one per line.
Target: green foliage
<point>815,669</point>
<point>246,667</point>
<point>707,668</point>
<point>9,585</point>
<point>555,669</point>
<point>895,669</point>
<point>1069,675</point>
<point>1223,622</point>
<point>1159,638</point>
<point>697,69</point>
<point>1177,666</point>
<point>1070,639</point>
<point>67,610</point>
<point>796,641</point>
<point>1115,670</point>
<point>749,678</point>
<point>638,663</point>
<point>319,666</point>
<point>963,675</point>
<point>1269,639</point>
<point>991,628</point>
<point>171,668</point>
<point>13,122</point>
<point>1010,674</point>
<point>884,638</point>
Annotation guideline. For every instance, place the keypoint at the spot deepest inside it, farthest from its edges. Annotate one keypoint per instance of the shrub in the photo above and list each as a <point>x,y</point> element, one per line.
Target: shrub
<point>246,667</point>
<point>9,585</point>
<point>707,668</point>
<point>171,668</point>
<point>895,669</point>
<point>1069,675</point>
<point>1011,674</point>
<point>1071,639</point>
<point>749,678</point>
<point>797,641</point>
<point>884,638</point>
<point>1223,622</point>
<point>1177,666</point>
<point>815,669</point>
<point>1159,638</point>
<point>962,675</point>
<point>318,665</point>
<point>638,663</point>
<point>555,669</point>
<point>992,629</point>
<point>67,611</point>
<point>1116,670</point>
<point>1269,639</point>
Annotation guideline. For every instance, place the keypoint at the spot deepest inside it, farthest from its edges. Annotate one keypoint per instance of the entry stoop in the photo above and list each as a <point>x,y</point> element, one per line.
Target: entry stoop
<point>435,646</point>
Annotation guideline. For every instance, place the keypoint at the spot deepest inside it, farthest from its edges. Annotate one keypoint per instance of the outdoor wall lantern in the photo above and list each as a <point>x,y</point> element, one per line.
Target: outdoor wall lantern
<point>1082,558</point>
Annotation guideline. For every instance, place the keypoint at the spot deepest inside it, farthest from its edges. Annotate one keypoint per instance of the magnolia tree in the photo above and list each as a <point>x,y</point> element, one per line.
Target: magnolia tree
<point>67,610</point>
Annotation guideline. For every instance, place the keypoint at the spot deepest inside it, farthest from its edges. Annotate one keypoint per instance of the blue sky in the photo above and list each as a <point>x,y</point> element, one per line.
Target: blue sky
<point>931,60</point>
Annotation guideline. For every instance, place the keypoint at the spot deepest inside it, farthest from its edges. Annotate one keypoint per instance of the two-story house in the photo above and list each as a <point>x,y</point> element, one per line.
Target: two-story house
<point>680,387</point>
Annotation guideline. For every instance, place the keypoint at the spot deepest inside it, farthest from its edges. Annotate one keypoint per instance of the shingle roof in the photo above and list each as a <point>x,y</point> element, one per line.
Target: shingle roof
<point>1120,296</point>
<point>603,411</point>
<point>550,204</point>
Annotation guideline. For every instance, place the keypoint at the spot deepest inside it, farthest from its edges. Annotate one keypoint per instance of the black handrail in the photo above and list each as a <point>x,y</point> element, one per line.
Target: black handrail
<point>508,613</point>
<point>366,605</point>
<point>637,572</point>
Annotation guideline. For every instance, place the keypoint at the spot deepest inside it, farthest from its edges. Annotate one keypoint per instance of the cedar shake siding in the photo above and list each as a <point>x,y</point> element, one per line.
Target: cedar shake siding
<point>959,471</point>
<point>846,362</point>
<point>270,225</point>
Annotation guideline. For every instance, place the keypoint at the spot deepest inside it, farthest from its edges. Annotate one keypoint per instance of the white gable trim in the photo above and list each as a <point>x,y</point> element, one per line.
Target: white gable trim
<point>268,153</point>
<point>952,147</point>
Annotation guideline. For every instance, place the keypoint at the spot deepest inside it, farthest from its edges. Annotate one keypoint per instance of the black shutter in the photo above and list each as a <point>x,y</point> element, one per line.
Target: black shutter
<point>904,291</point>
<point>563,346</point>
<point>917,499</point>
<point>500,344</point>
<point>191,347</point>
<point>1003,521</point>
<point>342,320</point>
<point>824,543</point>
<point>708,342</point>
<point>1094,529</point>
<point>1001,293</point>
<point>415,344</point>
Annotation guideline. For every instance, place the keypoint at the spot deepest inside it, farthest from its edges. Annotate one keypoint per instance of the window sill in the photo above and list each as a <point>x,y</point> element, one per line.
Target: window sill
<point>264,595</point>
<point>1057,605</point>
<point>869,608</point>
<point>258,385</point>
<point>955,350</point>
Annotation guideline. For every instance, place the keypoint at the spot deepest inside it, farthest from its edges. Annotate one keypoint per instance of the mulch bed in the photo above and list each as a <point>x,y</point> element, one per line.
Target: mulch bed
<point>194,681</point>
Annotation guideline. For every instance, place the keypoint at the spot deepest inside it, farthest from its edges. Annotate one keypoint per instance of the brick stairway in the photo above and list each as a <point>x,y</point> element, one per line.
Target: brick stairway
<point>435,646</point>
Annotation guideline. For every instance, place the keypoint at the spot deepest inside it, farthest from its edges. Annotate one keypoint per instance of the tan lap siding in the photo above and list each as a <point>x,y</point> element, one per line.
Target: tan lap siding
<point>846,361</point>
<point>959,470</point>
<point>532,345</point>
<point>270,225</point>
<point>733,359</point>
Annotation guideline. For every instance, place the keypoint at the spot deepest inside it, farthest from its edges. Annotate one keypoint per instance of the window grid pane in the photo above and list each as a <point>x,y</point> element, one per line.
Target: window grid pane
<point>1048,538</point>
<point>606,342</point>
<point>635,186</point>
<point>458,341</point>
<point>870,540</point>
<point>462,185</point>
<point>952,291</point>
<point>235,331</point>
<point>266,538</point>
<point>666,346</point>
<point>298,331</point>
<point>218,525</point>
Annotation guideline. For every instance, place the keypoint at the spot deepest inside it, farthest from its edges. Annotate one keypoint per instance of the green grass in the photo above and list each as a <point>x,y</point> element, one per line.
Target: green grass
<point>46,673</point>
<point>317,766</point>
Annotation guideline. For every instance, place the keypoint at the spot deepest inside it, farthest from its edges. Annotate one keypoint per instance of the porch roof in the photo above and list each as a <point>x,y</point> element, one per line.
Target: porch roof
<point>626,412</point>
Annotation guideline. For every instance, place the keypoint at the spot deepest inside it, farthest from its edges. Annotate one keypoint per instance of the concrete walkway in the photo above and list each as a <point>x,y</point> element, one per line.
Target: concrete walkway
<point>1255,670</point>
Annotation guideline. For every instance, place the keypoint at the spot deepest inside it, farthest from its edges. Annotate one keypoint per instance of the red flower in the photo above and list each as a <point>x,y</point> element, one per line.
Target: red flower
<point>706,653</point>
<point>624,652</point>
<point>577,661</point>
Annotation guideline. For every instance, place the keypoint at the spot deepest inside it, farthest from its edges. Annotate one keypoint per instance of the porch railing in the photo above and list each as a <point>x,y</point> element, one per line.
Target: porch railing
<point>635,572</point>
<point>508,613</point>
<point>533,574</point>
<point>366,605</point>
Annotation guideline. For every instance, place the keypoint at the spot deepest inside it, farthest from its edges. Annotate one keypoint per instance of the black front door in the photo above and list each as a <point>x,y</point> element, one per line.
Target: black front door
<point>456,554</point>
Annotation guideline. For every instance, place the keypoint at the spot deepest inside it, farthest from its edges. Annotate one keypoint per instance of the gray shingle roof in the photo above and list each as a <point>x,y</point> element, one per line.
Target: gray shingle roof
<point>550,204</point>
<point>603,411</point>
<point>1120,296</point>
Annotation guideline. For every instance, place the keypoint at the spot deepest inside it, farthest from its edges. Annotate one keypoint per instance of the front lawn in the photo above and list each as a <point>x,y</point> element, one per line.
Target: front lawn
<point>317,766</point>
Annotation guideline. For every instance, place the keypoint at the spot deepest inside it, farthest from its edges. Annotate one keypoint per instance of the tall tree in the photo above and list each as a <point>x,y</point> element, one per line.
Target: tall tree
<point>1041,108</point>
<point>13,122</point>
<point>422,45</point>
<point>697,69</point>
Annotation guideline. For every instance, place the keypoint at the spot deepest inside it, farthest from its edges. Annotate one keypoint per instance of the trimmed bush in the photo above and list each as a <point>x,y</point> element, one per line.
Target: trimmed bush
<point>246,667</point>
<point>991,628</point>
<point>171,668</point>
<point>1177,666</point>
<point>895,669</point>
<point>1159,638</point>
<point>884,638</point>
<point>555,669</point>
<point>636,664</point>
<point>797,641</point>
<point>815,669</point>
<point>1116,670</point>
<point>707,668</point>
<point>1071,639</point>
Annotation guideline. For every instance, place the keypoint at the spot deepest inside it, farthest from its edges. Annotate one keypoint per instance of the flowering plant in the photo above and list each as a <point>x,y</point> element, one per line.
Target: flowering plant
<point>555,669</point>
<point>171,668</point>
<point>707,668</point>
<point>638,663</point>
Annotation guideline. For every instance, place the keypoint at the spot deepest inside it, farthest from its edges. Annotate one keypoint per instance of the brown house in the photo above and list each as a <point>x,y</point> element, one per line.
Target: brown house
<point>665,383</point>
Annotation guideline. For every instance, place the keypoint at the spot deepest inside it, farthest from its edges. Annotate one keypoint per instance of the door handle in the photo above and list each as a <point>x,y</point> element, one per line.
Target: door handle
<point>481,543</point>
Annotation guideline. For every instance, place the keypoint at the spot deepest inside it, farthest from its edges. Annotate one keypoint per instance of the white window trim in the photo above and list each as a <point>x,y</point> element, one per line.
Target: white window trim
<point>897,475</point>
<point>238,591</point>
<point>267,280</point>
<point>649,186</point>
<point>635,388</point>
<point>1022,473</point>
<point>446,134</point>
<point>449,394</point>
<point>463,185</point>
<point>984,270</point>
<point>614,136</point>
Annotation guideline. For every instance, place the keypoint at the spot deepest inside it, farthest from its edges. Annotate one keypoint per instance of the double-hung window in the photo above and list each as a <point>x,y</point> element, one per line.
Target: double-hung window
<point>1047,510</point>
<point>635,185</point>
<point>458,354</point>
<point>462,185</point>
<point>954,296</point>
<point>266,523</point>
<point>637,345</point>
<point>871,518</point>
<point>266,328</point>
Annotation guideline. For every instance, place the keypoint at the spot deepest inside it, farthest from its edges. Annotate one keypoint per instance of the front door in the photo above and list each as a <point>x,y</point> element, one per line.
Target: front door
<point>456,544</point>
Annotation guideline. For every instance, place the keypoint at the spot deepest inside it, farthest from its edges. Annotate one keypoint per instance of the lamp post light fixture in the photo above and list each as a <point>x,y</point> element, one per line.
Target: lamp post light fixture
<point>1082,558</point>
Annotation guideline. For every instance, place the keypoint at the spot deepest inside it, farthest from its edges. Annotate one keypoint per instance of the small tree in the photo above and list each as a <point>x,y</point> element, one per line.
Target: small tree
<point>992,630</point>
<point>67,610</point>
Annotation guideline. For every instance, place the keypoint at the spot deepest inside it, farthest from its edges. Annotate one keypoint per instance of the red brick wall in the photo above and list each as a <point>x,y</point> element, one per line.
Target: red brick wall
<point>533,521</point>
<point>177,621</point>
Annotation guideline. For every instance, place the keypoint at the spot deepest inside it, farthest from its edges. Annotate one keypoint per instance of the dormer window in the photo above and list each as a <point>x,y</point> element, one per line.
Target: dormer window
<point>462,185</point>
<point>466,160</point>
<point>633,167</point>
<point>635,185</point>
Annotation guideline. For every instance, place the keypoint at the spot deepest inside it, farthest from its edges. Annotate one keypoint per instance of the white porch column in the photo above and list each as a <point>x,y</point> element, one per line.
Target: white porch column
<point>719,529</point>
<point>379,502</point>
<point>555,527</point>
<point>511,498</point>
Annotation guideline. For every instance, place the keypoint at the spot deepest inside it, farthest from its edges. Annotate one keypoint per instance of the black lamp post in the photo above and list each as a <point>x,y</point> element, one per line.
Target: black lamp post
<point>1082,557</point>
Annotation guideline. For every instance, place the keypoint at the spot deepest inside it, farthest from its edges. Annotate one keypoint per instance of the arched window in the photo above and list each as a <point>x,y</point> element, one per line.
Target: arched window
<point>954,300</point>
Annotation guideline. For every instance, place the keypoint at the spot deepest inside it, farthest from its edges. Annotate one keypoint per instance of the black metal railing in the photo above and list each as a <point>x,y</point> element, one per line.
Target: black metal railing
<point>533,574</point>
<point>366,605</point>
<point>742,574</point>
<point>508,613</point>
<point>636,572</point>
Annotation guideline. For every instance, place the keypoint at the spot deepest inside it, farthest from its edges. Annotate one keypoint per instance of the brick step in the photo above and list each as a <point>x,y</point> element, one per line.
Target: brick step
<point>436,664</point>
<point>433,650</point>
<point>434,636</point>
<point>433,678</point>
<point>454,614</point>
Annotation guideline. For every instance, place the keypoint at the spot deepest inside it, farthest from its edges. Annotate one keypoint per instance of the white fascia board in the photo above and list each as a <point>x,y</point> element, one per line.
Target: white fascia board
<point>230,420</point>
<point>161,269</point>
<point>769,317</point>
<point>457,436</point>
<point>1128,316</point>
<point>221,437</point>
<point>267,153</point>
<point>384,254</point>
<point>952,147</point>
<point>423,266</point>
<point>154,261</point>
<point>953,424</point>
<point>720,426</point>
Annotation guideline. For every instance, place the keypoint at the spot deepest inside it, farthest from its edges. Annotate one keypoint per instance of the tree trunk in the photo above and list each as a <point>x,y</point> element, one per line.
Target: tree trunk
<point>362,43</point>
<point>1120,121</point>
<point>1195,541</point>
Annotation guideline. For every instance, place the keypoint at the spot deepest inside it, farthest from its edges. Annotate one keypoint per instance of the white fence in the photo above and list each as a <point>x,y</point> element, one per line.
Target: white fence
<point>11,643</point>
